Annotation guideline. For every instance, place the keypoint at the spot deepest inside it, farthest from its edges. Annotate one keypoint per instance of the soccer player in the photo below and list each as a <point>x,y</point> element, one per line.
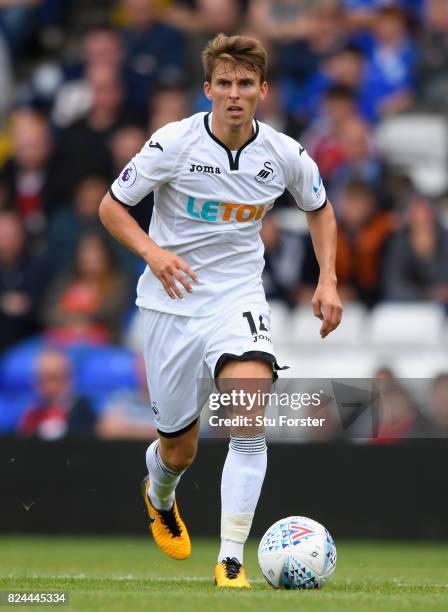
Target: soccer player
<point>204,313</point>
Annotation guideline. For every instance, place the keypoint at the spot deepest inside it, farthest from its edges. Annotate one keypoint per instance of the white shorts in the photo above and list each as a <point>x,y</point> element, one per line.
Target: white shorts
<point>180,351</point>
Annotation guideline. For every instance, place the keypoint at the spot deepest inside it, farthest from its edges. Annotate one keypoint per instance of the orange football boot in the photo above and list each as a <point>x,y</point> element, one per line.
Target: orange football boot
<point>168,529</point>
<point>230,573</point>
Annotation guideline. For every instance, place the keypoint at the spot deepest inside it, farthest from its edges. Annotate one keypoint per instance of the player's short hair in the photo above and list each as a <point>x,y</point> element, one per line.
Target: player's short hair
<point>237,50</point>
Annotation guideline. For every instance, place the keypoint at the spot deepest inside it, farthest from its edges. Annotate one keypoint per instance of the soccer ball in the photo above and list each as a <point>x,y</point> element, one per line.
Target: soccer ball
<point>297,553</point>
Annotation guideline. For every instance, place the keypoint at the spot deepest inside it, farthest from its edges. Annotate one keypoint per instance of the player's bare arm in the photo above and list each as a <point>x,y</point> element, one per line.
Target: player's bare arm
<point>165,265</point>
<point>326,303</point>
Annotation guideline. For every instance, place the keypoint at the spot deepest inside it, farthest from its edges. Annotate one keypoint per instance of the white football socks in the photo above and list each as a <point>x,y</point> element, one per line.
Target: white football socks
<point>242,479</point>
<point>163,480</point>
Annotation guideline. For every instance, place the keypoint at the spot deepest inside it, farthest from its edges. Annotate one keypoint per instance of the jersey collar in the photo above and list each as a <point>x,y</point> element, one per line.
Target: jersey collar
<point>233,163</point>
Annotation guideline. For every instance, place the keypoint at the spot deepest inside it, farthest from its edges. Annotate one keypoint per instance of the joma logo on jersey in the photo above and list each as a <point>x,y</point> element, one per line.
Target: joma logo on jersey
<point>211,210</point>
<point>206,169</point>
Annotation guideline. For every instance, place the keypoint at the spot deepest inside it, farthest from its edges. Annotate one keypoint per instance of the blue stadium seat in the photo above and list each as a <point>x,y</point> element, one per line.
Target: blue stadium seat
<point>97,370</point>
<point>100,400</point>
<point>17,366</point>
<point>12,406</point>
<point>106,369</point>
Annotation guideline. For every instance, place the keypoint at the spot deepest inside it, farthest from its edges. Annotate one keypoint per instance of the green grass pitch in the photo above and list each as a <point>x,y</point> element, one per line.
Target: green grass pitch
<point>131,574</point>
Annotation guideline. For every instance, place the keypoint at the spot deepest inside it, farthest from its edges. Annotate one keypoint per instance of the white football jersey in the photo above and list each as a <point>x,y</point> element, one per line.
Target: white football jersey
<point>209,203</point>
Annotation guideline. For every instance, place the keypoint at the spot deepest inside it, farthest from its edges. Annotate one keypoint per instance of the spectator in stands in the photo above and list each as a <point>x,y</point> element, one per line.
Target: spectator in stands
<point>281,21</point>
<point>398,413</point>
<point>283,259</point>
<point>325,50</point>
<point>58,412</point>
<point>399,190</point>
<point>399,416</point>
<point>343,68</point>
<point>154,51</point>
<point>270,111</point>
<point>127,414</point>
<point>88,140</point>
<point>88,302</point>
<point>432,68</point>
<point>125,143</point>
<point>100,47</point>
<point>323,138</point>
<point>328,35</point>
<point>298,35</point>
<point>22,278</point>
<point>390,71</point>
<point>360,14</point>
<point>200,21</point>
<point>205,16</point>
<point>385,377</point>
<point>168,104</point>
<point>28,175</point>
<point>438,405</point>
<point>4,197</point>
<point>359,160</point>
<point>72,222</point>
<point>416,266</point>
<point>363,231</point>
<point>16,21</point>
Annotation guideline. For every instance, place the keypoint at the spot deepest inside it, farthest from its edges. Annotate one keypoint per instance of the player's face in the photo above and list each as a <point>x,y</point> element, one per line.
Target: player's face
<point>235,93</point>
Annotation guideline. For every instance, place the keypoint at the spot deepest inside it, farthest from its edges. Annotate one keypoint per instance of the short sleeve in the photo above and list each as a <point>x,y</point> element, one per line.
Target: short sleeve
<point>153,166</point>
<point>303,179</point>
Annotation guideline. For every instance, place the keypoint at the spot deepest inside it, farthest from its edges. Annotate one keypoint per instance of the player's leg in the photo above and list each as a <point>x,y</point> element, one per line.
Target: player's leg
<point>241,356</point>
<point>167,458</point>
<point>243,473</point>
<point>173,358</point>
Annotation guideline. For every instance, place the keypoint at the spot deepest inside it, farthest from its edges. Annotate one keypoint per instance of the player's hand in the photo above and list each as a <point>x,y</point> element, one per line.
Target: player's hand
<point>169,267</point>
<point>327,307</point>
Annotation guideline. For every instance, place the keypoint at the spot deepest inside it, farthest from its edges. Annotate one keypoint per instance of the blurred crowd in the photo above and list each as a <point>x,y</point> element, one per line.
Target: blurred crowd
<point>83,85</point>
<point>387,411</point>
